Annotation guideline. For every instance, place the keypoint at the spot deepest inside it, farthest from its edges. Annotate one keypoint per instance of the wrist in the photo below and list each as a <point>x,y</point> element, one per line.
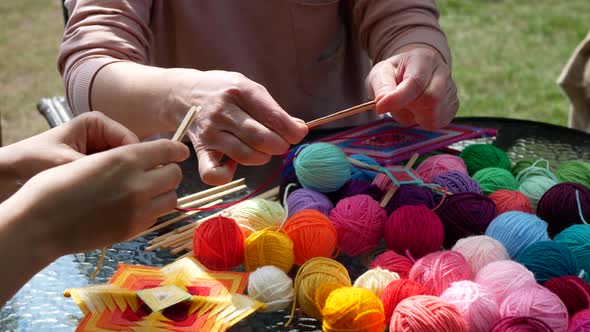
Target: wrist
<point>12,174</point>
<point>179,96</point>
<point>413,46</point>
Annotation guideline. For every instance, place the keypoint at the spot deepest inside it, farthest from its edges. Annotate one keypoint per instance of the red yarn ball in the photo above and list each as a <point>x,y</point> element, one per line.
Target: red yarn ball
<point>510,200</point>
<point>391,261</point>
<point>520,324</point>
<point>397,291</point>
<point>573,291</point>
<point>359,221</point>
<point>414,230</point>
<point>218,244</point>
<point>580,322</point>
<point>438,270</point>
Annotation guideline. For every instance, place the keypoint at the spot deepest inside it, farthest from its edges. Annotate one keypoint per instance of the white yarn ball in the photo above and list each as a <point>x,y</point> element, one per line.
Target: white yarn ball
<point>376,280</point>
<point>272,286</point>
<point>480,250</point>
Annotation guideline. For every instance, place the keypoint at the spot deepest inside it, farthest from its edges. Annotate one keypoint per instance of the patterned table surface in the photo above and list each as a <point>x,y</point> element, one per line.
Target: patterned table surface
<point>40,305</point>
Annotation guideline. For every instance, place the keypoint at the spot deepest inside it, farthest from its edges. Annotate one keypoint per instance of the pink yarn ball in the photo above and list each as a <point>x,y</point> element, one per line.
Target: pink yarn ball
<point>439,164</point>
<point>537,302</point>
<point>414,230</point>
<point>480,250</point>
<point>580,322</point>
<point>505,277</point>
<point>477,302</point>
<point>424,313</point>
<point>391,261</point>
<point>520,324</point>
<point>359,221</point>
<point>436,271</point>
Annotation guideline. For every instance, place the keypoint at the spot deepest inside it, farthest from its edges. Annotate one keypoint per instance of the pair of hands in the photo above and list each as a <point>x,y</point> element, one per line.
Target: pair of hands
<point>89,183</point>
<point>240,119</point>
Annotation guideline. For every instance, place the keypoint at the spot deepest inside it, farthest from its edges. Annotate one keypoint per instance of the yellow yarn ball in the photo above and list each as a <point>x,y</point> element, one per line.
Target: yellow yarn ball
<point>376,280</point>
<point>257,214</point>
<point>268,247</point>
<point>353,309</point>
<point>322,293</point>
<point>313,274</point>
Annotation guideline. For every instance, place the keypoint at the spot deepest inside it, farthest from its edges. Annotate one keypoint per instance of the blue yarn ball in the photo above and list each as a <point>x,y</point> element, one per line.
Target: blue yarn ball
<point>517,230</point>
<point>357,173</point>
<point>577,239</point>
<point>549,259</point>
<point>322,167</point>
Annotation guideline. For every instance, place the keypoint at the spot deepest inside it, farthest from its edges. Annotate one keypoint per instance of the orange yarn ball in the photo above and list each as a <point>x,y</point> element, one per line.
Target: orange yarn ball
<point>219,244</point>
<point>313,235</point>
<point>353,309</point>
<point>510,200</point>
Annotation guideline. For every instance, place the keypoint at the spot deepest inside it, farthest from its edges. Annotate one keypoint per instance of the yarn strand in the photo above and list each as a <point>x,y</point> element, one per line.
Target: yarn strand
<point>580,213</point>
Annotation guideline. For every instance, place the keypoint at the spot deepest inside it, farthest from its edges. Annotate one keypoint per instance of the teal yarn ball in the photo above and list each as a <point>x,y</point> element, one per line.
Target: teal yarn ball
<point>517,230</point>
<point>577,238</point>
<point>574,171</point>
<point>480,156</point>
<point>523,164</point>
<point>322,167</point>
<point>358,173</point>
<point>534,187</point>
<point>549,259</point>
<point>492,179</point>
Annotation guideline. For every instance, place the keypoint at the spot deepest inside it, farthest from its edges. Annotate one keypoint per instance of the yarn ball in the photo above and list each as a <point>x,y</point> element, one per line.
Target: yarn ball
<point>559,206</point>
<point>392,261</point>
<point>303,199</point>
<point>257,214</point>
<point>353,309</point>
<point>322,293</point>
<point>520,324</point>
<point>465,214</point>
<point>271,286</point>
<point>549,259</point>
<point>577,238</point>
<point>572,290</point>
<point>322,167</point>
<point>436,271</point>
<point>534,187</point>
<point>313,235</point>
<point>359,221</point>
<point>492,179</point>
<point>359,173</point>
<point>414,230</point>
<point>480,250</point>
<point>505,277</point>
<point>580,322</point>
<point>521,165</point>
<point>574,171</point>
<point>218,243</point>
<point>410,195</point>
<point>439,164</point>
<point>457,182</point>
<point>536,170</point>
<point>268,247</point>
<point>510,200</point>
<point>375,280</point>
<point>424,313</point>
<point>537,302</point>
<point>311,275</point>
<point>480,156</point>
<point>356,187</point>
<point>397,291</point>
<point>517,230</point>
<point>288,175</point>
<point>477,302</point>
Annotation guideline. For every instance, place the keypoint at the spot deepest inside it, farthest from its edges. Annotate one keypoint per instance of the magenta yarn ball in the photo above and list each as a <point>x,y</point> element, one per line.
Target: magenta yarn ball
<point>580,322</point>
<point>439,164</point>
<point>359,221</point>
<point>438,270</point>
<point>520,324</point>
<point>306,199</point>
<point>410,195</point>
<point>414,231</point>
<point>394,262</point>
<point>477,302</point>
<point>505,277</point>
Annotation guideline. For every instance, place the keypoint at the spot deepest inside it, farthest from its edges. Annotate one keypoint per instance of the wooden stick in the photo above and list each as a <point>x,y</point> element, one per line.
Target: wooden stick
<point>412,160</point>
<point>341,115</point>
<point>186,246</point>
<point>213,197</point>
<point>186,123</point>
<point>210,191</point>
<point>190,253</point>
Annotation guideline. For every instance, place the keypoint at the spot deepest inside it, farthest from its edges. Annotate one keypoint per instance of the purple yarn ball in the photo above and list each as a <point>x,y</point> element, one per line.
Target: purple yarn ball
<point>356,187</point>
<point>410,195</point>
<point>457,182</point>
<point>559,206</point>
<point>302,199</point>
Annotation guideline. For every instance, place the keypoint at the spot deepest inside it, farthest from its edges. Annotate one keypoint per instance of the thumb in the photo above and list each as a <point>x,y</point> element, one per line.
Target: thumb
<point>211,169</point>
<point>381,80</point>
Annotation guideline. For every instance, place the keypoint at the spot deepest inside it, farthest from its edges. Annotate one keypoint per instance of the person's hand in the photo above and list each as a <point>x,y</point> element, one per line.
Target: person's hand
<point>415,86</point>
<point>239,119</point>
<point>100,199</point>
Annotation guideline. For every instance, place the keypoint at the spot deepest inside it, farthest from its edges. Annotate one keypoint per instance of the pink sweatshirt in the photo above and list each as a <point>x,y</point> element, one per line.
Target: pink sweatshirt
<point>312,55</point>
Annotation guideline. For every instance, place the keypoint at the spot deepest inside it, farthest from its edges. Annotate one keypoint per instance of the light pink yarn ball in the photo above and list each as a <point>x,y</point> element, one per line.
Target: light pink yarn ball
<point>436,165</point>
<point>505,277</point>
<point>436,271</point>
<point>480,250</point>
<point>477,302</point>
<point>537,302</point>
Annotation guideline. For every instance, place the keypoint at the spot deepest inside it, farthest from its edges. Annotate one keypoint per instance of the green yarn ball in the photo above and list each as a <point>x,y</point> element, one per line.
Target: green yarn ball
<point>575,171</point>
<point>577,238</point>
<point>492,179</point>
<point>534,187</point>
<point>521,165</point>
<point>322,167</point>
<point>480,156</point>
